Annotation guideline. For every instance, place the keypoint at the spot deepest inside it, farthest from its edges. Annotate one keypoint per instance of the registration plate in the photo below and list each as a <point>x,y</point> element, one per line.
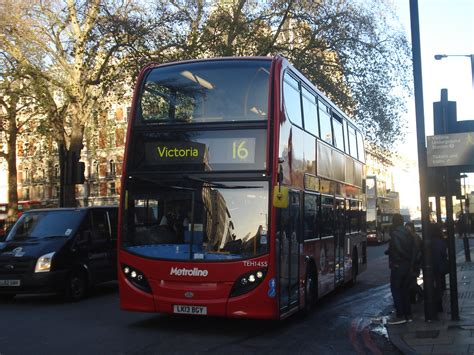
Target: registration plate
<point>9,282</point>
<point>185,309</point>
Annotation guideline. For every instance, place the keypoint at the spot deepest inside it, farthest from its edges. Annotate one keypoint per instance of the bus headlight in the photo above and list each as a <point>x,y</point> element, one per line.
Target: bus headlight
<point>43,264</point>
<point>136,278</point>
<point>247,282</point>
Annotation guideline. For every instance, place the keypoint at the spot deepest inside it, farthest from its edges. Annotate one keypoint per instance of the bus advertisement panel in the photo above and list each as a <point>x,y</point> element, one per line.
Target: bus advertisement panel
<point>208,144</point>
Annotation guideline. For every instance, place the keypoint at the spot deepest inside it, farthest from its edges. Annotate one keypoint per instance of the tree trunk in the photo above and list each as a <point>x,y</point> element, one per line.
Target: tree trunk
<point>12,172</point>
<point>71,158</point>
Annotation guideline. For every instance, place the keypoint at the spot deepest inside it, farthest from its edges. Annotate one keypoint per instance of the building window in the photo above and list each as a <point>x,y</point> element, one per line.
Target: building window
<point>95,174</point>
<point>56,172</point>
<point>112,189</point>
<point>112,168</point>
<point>94,190</point>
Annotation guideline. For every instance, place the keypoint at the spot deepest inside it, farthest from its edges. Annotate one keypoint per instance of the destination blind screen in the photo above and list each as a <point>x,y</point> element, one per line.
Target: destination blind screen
<point>210,149</point>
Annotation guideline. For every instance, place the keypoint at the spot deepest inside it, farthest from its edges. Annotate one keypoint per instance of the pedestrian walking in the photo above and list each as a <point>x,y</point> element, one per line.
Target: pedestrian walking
<point>400,257</point>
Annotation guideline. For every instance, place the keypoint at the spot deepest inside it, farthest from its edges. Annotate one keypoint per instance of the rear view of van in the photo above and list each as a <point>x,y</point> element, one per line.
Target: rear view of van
<point>66,250</point>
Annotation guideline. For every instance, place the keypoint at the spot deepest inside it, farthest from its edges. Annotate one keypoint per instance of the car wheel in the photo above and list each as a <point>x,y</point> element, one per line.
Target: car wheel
<point>76,287</point>
<point>7,298</point>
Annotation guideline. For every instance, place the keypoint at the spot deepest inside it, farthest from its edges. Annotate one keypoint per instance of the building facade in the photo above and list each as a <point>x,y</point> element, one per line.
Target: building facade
<point>38,164</point>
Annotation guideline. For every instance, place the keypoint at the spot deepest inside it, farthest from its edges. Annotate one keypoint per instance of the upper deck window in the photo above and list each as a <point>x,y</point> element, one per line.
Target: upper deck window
<point>338,132</point>
<point>310,111</point>
<point>352,141</point>
<point>291,94</point>
<point>211,91</point>
<point>360,147</point>
<point>325,123</point>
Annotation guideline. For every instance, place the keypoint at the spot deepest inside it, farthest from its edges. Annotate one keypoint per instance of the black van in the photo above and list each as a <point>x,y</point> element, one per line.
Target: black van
<point>63,250</point>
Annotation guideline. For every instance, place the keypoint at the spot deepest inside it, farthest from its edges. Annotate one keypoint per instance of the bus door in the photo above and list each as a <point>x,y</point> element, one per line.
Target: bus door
<point>340,234</point>
<point>288,232</point>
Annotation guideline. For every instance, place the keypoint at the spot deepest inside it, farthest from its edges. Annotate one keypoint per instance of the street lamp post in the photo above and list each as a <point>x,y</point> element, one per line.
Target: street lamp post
<point>441,56</point>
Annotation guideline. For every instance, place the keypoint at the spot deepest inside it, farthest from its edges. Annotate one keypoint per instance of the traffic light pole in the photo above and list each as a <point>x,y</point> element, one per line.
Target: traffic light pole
<point>453,281</point>
<point>428,276</point>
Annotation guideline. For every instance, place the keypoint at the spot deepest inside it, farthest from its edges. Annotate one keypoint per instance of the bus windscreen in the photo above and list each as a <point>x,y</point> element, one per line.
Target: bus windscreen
<point>209,221</point>
<point>208,91</point>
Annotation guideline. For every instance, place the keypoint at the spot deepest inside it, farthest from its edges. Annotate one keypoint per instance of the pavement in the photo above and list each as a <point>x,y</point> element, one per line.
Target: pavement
<point>442,336</point>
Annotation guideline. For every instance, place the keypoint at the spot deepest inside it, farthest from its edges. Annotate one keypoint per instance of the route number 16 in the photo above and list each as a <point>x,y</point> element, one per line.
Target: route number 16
<point>239,150</point>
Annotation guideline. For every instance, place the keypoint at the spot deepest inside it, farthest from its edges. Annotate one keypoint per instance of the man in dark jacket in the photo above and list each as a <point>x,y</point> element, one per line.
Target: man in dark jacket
<point>416,292</point>
<point>400,257</point>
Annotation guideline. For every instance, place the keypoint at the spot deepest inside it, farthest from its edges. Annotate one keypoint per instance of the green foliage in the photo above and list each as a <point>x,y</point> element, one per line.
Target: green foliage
<point>83,54</point>
<point>353,51</point>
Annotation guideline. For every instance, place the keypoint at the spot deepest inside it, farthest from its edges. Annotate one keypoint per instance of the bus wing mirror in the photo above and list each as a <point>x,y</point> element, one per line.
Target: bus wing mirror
<point>280,193</point>
<point>280,197</point>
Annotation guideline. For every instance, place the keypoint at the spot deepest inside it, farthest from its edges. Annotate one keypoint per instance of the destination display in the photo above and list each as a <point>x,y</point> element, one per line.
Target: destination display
<point>176,153</point>
<point>208,150</point>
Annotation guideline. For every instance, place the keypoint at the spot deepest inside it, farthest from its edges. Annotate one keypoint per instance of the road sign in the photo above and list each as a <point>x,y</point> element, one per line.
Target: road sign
<point>451,149</point>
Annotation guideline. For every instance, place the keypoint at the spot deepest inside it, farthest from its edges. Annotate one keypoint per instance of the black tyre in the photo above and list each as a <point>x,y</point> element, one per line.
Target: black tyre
<point>7,298</point>
<point>310,290</point>
<point>76,287</point>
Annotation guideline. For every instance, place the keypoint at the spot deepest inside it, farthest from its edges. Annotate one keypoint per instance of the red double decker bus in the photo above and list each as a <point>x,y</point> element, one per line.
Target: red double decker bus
<point>241,193</point>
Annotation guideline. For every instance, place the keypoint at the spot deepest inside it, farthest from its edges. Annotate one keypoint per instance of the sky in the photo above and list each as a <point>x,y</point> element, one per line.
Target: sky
<point>446,27</point>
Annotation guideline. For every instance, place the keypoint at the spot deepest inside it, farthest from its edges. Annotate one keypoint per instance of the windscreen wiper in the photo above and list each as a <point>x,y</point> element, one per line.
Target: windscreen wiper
<point>53,236</point>
<point>220,185</point>
<point>164,185</point>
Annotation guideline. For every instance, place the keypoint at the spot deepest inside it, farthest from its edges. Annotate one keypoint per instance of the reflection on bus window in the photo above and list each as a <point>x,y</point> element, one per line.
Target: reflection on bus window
<point>209,222</point>
<point>206,92</point>
<point>327,216</point>
<point>352,141</point>
<point>325,123</point>
<point>312,221</point>
<point>291,94</point>
<point>338,132</point>
<point>310,112</point>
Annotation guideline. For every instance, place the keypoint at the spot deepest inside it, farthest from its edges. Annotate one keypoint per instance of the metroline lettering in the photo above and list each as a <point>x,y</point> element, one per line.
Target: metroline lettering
<point>188,272</point>
<point>177,152</point>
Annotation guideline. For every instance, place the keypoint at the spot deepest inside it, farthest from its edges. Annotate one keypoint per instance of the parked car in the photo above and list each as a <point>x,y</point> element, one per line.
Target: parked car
<point>64,250</point>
